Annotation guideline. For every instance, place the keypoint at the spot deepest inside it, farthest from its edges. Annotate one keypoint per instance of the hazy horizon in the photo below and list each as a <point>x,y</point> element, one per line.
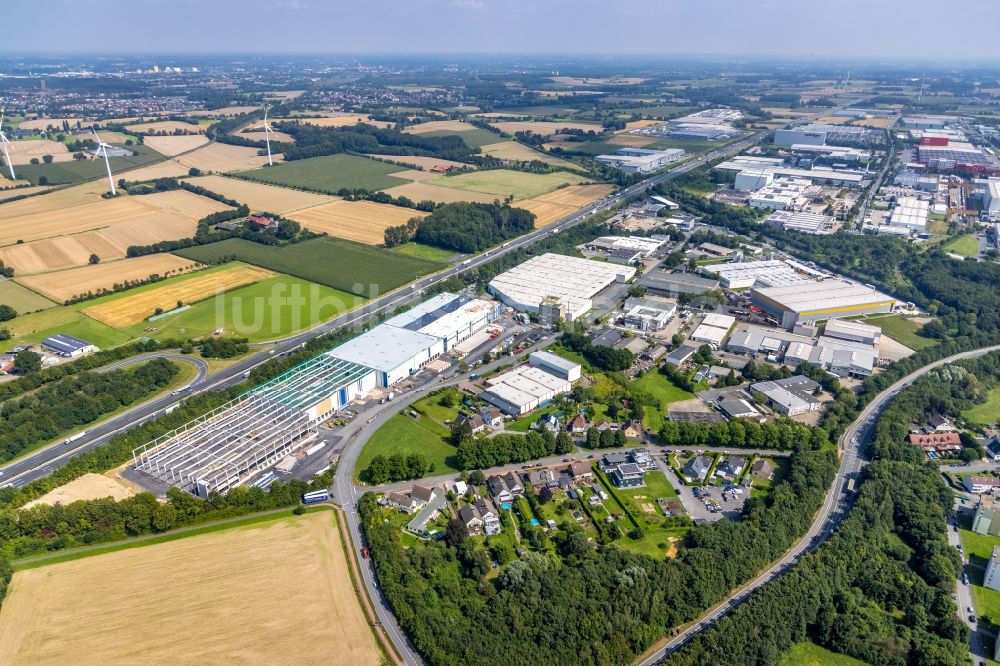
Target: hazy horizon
<point>914,30</point>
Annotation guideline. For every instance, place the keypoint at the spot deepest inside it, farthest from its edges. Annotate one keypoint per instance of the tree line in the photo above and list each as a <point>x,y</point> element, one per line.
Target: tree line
<point>314,141</point>
<point>397,467</point>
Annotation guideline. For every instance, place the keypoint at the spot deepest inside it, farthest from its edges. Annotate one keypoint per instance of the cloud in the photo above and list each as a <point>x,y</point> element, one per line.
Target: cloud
<point>473,5</point>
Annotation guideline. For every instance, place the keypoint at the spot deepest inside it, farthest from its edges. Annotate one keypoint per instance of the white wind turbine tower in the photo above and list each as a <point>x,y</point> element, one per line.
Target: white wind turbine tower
<point>267,137</point>
<point>4,142</point>
<point>102,151</point>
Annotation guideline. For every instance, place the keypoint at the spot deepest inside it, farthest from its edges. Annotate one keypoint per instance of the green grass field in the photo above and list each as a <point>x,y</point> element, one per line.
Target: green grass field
<point>663,390</point>
<point>978,548</point>
<point>21,298</point>
<point>35,327</point>
<point>902,330</point>
<point>350,267</point>
<point>329,174</point>
<point>810,654</point>
<point>503,182</point>
<point>405,435</point>
<point>421,251</point>
<point>986,413</point>
<point>63,173</point>
<point>690,145</point>
<point>967,246</point>
<point>473,138</point>
<point>270,309</point>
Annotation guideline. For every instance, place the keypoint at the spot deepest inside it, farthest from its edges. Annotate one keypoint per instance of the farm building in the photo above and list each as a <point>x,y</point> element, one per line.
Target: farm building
<point>561,286</point>
<point>523,389</point>
<point>395,353</point>
<point>815,301</point>
<point>451,317</point>
<point>68,345</point>
<point>229,445</point>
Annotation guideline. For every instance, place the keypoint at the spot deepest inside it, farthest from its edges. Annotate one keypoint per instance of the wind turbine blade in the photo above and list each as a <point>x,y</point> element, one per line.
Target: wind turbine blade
<point>1,118</point>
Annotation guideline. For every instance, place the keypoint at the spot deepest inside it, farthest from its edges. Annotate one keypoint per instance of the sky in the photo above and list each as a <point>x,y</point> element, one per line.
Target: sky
<point>924,29</point>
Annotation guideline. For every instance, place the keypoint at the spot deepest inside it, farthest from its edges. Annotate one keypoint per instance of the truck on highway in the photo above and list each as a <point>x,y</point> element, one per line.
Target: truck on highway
<point>181,390</point>
<point>316,496</point>
<point>467,262</point>
<point>73,438</point>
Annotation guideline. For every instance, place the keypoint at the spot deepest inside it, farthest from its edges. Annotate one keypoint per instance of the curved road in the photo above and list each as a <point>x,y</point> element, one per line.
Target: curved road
<point>830,514</point>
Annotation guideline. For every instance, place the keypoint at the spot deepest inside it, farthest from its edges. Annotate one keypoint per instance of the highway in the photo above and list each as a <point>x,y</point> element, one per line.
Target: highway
<point>834,508</point>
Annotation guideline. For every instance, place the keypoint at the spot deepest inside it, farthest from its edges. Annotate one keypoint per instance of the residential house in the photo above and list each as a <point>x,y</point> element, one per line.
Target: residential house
<point>262,220</point>
<point>578,425</point>
<point>941,424</point>
<point>473,422</point>
<point>642,458</point>
<point>763,469</point>
<point>491,416</point>
<point>580,470</point>
<point>993,448</point>
<point>731,466</point>
<point>489,516</point>
<point>627,475</point>
<point>460,488</point>
<point>541,478</point>
<point>603,425</point>
<point>438,502</point>
<point>611,460</point>
<point>513,483</point>
<point>599,491</point>
<point>936,444</point>
<point>633,430</point>
<point>498,490</point>
<point>423,494</point>
<point>471,519</point>
<point>980,484</point>
<point>403,502</point>
<point>697,467</point>
<point>548,422</point>
<point>986,520</point>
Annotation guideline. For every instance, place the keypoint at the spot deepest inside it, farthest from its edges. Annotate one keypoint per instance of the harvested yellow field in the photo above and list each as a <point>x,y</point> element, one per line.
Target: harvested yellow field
<point>340,120</point>
<point>834,120</point>
<point>175,145</point>
<point>576,81</point>
<point>63,221</point>
<point>362,221</point>
<point>63,285</point>
<point>289,600</point>
<point>128,310</point>
<point>87,487</point>
<point>22,152</point>
<point>53,254</point>
<point>44,123</point>
<point>250,135</point>
<point>638,124</point>
<point>259,196</point>
<point>222,157</point>
<point>11,192</point>
<point>545,212</point>
<point>425,192</point>
<point>166,169</point>
<point>438,126</point>
<point>414,175</point>
<point>183,203</point>
<point>427,163</point>
<point>544,127</point>
<point>577,196</point>
<point>54,201</point>
<point>168,126</point>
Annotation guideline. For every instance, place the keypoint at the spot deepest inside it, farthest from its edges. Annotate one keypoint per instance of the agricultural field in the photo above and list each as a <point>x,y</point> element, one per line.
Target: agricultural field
<point>424,191</point>
<point>329,174</point>
<point>361,221</point>
<point>191,586</point>
<point>512,150</point>
<point>545,128</point>
<point>503,182</point>
<point>986,413</point>
<point>13,188</point>
<point>165,169</point>
<point>87,487</point>
<point>342,120</point>
<point>74,171</point>
<point>350,267</point>
<point>24,150</point>
<point>175,145</point>
<point>122,311</point>
<point>43,124</point>
<point>632,140</point>
<point>63,285</point>
<point>440,126</point>
<point>250,134</point>
<point>225,111</point>
<point>267,310</point>
<point>474,137</point>
<point>258,196</point>
<point>422,251</point>
<point>22,299</point>
<point>167,126</point>
<point>562,202</point>
<point>427,163</point>
<point>223,158</point>
<point>37,326</point>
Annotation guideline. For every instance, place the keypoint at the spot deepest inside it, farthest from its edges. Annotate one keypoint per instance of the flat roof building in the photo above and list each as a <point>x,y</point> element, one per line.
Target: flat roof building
<point>711,335</point>
<point>672,284</point>
<point>784,193</point>
<point>68,345</point>
<point>640,160</point>
<point>746,274</point>
<point>395,353</point>
<point>790,396</point>
<point>523,389</point>
<point>556,365</point>
<point>814,301</point>
<point>847,329</point>
<point>451,317</point>
<point>801,221</point>
<point>910,212</point>
<point>646,314</point>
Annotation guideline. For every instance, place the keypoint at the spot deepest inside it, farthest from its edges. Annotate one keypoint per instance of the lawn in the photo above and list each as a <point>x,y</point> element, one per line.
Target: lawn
<point>405,435</point>
<point>21,298</point>
<point>967,246</point>
<point>431,406</point>
<point>903,330</point>
<point>473,138</point>
<point>62,173</point>
<point>421,251</point>
<point>40,325</point>
<point>350,267</point>
<point>978,548</point>
<point>986,413</point>
<point>664,391</point>
<point>810,654</point>
<point>502,182</point>
<point>690,145</point>
<point>270,309</point>
<point>329,174</point>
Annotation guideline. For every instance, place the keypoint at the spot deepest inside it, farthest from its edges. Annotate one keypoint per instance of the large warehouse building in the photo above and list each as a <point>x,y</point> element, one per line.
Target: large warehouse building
<point>746,274</point>
<point>563,284</point>
<point>526,388</point>
<point>395,353</point>
<point>814,301</point>
<point>451,317</point>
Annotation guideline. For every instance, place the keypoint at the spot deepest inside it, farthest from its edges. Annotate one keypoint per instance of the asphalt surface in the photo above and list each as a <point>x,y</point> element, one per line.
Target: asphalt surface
<point>965,601</point>
<point>834,507</point>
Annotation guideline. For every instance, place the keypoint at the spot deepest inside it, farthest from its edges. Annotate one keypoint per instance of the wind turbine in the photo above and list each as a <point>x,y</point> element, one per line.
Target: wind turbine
<point>267,136</point>
<point>102,150</point>
<point>4,142</point>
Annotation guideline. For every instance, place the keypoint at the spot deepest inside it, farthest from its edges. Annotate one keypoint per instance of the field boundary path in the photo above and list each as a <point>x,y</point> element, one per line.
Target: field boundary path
<point>834,508</point>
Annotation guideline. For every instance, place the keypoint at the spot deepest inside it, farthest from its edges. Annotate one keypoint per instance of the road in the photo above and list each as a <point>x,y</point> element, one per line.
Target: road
<point>834,508</point>
<point>965,601</point>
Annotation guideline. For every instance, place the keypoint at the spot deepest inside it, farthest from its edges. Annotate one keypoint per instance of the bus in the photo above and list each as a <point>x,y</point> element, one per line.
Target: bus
<point>467,262</point>
<point>316,496</point>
